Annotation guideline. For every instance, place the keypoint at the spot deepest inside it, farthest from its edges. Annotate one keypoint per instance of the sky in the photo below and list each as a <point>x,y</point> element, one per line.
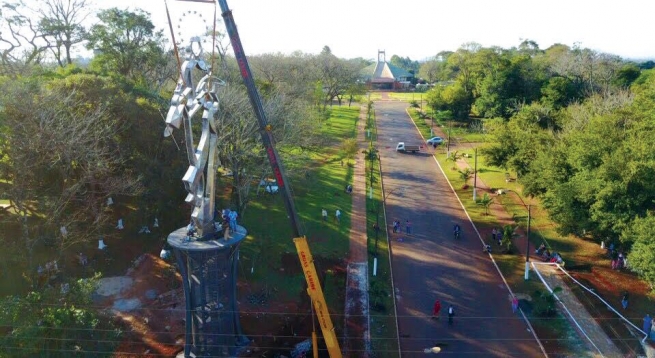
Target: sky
<point>419,29</point>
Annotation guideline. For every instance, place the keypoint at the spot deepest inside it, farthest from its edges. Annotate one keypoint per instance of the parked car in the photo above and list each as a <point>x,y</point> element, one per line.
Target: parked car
<point>435,140</point>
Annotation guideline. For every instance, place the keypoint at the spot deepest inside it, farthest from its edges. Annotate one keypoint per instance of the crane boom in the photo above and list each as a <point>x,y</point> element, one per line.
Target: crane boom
<point>264,127</point>
<point>313,285</point>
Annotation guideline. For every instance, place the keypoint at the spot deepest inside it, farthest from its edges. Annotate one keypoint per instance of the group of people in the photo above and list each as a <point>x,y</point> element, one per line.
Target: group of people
<point>546,255</point>
<point>497,235</point>
<point>619,261</point>
<point>649,327</point>
<point>436,310</point>
<point>337,215</point>
<point>229,222</point>
<point>397,228</point>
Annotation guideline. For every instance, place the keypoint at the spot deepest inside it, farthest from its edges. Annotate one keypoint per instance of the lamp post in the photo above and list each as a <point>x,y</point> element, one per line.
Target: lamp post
<point>527,236</point>
<point>448,143</point>
<point>475,174</point>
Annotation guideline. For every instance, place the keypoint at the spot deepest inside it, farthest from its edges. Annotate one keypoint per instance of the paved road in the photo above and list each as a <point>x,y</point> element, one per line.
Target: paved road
<point>430,264</point>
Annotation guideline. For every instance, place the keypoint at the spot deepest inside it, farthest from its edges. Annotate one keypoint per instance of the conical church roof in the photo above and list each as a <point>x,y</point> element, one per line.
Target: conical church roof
<point>383,71</point>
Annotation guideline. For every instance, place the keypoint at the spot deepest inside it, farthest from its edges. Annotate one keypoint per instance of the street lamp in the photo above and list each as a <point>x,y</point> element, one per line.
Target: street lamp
<point>475,174</point>
<point>448,142</point>
<point>527,236</point>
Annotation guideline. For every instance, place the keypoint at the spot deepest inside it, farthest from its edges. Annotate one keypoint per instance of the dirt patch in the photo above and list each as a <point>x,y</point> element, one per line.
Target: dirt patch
<point>275,321</point>
<point>152,322</point>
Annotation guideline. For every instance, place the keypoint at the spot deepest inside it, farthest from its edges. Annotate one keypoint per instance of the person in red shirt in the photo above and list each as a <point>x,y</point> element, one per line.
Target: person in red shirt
<point>436,309</point>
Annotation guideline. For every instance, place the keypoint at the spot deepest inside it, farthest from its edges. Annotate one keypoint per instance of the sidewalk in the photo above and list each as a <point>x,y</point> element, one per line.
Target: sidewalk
<point>356,342</point>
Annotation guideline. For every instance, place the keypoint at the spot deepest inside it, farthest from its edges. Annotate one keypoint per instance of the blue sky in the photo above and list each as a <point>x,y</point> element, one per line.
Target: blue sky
<point>422,28</point>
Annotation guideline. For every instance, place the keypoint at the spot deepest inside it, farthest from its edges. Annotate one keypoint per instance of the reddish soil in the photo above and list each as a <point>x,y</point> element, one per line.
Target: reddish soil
<point>157,329</point>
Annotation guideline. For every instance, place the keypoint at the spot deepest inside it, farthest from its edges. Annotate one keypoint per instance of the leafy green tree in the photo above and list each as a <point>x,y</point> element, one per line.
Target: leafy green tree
<point>457,100</point>
<point>405,63</point>
<point>642,254</point>
<point>626,75</point>
<point>558,92</point>
<point>126,43</point>
<point>56,322</point>
<point>349,148</point>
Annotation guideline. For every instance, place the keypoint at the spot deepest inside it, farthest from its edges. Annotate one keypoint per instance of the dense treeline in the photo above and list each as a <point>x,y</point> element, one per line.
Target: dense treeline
<point>575,125</point>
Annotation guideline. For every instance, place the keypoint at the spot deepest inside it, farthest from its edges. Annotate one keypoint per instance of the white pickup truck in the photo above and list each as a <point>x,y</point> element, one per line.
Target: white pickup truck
<point>402,147</point>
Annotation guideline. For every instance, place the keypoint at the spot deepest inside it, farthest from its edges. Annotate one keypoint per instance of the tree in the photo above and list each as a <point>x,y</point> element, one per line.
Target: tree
<point>405,63</point>
<point>240,147</point>
<point>485,202</point>
<point>509,234</point>
<point>57,322</point>
<point>22,39</point>
<point>61,24</point>
<point>126,43</point>
<point>349,148</point>
<point>642,253</point>
<point>465,175</point>
<point>63,160</point>
<point>335,76</point>
<point>454,157</point>
<point>626,75</point>
<point>433,70</point>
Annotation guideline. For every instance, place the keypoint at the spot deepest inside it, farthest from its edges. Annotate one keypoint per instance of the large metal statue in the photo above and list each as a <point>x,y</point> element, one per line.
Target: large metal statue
<point>207,259</point>
<point>203,159</point>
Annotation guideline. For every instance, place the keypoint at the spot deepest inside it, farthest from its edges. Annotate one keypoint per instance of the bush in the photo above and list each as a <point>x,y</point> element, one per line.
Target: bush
<point>378,294</point>
<point>543,303</point>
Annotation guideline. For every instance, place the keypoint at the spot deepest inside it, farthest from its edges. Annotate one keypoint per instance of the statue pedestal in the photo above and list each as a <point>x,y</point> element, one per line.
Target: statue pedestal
<point>209,275</point>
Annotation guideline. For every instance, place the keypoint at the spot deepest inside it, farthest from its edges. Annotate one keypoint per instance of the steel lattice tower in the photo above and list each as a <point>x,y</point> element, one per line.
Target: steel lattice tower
<point>209,276</point>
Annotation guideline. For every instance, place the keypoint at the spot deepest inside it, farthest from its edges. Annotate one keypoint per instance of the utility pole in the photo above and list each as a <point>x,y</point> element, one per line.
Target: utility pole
<point>527,248</point>
<point>475,174</point>
<point>448,143</point>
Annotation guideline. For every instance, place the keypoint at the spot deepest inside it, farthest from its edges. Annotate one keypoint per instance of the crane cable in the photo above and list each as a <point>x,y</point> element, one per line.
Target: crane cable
<point>170,27</point>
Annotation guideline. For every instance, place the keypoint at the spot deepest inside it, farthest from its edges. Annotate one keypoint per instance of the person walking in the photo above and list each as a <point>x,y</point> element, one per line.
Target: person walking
<point>648,324</point>
<point>436,309</point>
<point>515,304</point>
<point>624,300</point>
<point>451,314</point>
<point>338,216</point>
<point>395,226</point>
<point>324,214</point>
<point>408,227</point>
<point>493,234</point>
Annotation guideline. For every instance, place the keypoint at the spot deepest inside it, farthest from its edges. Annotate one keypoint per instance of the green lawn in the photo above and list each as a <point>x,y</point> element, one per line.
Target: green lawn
<point>409,96</point>
<point>269,244</point>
